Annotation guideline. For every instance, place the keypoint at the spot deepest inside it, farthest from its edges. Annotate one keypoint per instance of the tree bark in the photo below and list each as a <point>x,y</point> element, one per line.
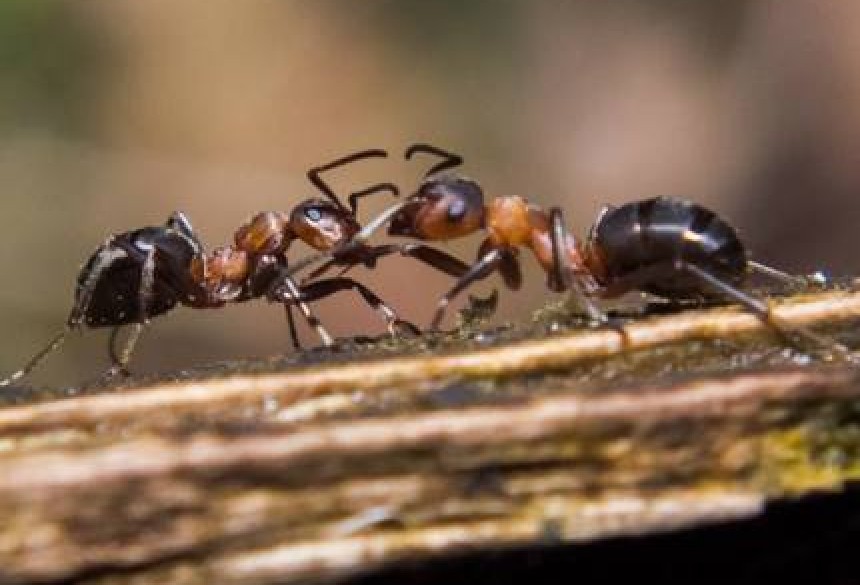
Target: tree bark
<point>390,452</point>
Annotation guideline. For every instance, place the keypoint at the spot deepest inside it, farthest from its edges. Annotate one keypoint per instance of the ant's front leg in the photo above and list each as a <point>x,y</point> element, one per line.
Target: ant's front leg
<point>441,261</point>
<point>285,290</point>
<point>324,288</point>
<point>489,260</point>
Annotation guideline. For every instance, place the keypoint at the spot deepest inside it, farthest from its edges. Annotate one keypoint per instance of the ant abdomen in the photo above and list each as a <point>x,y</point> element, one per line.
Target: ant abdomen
<point>642,241</point>
<point>111,280</point>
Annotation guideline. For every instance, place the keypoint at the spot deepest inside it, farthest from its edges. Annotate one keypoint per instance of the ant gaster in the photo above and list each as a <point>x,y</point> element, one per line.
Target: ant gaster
<point>140,274</point>
<point>664,246</point>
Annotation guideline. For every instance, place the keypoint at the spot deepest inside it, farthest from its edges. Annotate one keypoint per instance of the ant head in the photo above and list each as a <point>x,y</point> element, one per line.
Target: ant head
<point>322,225</point>
<point>443,208</point>
<point>222,273</point>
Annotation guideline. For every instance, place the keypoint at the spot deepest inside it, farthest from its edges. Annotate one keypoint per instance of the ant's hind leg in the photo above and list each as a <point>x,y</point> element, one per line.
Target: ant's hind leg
<point>121,359</point>
<point>778,275</point>
<point>102,259</point>
<point>762,310</point>
<point>52,346</point>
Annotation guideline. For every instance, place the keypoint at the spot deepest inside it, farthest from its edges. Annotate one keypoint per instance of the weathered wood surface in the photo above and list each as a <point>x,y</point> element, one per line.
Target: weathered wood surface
<point>392,452</point>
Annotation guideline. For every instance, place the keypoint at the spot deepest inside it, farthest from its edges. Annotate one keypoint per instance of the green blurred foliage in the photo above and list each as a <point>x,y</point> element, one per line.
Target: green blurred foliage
<point>51,66</point>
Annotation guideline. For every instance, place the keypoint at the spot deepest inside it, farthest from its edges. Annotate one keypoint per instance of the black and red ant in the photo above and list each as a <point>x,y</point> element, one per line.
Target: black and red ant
<point>665,246</point>
<point>137,275</point>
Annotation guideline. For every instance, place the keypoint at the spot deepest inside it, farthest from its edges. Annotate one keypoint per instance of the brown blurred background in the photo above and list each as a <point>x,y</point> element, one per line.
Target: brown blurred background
<point>113,114</point>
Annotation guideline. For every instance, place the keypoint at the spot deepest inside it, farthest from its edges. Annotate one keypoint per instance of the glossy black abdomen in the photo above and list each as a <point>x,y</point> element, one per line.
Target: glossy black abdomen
<point>639,243</point>
<point>115,297</point>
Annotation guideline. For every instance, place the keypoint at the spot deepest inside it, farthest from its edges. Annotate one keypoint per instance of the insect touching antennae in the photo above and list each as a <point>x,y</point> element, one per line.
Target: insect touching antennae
<point>324,188</point>
<point>359,240</point>
<point>55,344</point>
<point>354,197</point>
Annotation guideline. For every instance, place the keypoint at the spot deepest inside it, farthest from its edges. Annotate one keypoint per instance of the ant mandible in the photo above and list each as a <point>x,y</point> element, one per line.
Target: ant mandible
<point>137,275</point>
<point>665,246</point>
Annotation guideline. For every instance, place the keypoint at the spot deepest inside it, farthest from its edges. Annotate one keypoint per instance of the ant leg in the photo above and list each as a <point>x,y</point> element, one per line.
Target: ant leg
<point>450,160</point>
<point>434,258</point>
<point>776,274</point>
<point>441,261</point>
<point>565,274</point>
<point>120,362</point>
<point>285,290</point>
<point>354,197</point>
<point>291,324</point>
<point>485,266</point>
<point>120,359</point>
<point>112,345</point>
<point>323,269</point>
<point>179,221</point>
<point>281,262</point>
<point>323,288</point>
<point>762,310</point>
<point>52,346</point>
<point>509,269</point>
<point>323,187</point>
<point>104,257</point>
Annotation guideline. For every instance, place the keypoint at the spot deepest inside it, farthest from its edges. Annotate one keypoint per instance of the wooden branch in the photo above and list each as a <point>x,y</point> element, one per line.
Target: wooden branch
<point>322,471</point>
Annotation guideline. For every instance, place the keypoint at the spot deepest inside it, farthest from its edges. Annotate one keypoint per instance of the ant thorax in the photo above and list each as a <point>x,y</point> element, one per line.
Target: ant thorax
<point>508,222</point>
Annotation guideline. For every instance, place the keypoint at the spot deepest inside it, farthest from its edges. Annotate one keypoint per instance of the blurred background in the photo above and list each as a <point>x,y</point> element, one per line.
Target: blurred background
<point>113,114</point>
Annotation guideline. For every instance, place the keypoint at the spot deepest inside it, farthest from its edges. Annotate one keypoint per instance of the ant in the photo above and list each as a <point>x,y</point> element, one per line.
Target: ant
<point>665,246</point>
<point>137,275</point>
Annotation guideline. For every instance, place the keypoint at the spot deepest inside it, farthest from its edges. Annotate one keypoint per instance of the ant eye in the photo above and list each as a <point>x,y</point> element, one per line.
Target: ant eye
<point>313,214</point>
<point>456,210</point>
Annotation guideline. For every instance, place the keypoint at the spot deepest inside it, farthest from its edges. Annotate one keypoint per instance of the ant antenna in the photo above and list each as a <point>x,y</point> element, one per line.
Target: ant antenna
<point>53,346</point>
<point>325,188</point>
<point>450,161</point>
<point>354,197</point>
